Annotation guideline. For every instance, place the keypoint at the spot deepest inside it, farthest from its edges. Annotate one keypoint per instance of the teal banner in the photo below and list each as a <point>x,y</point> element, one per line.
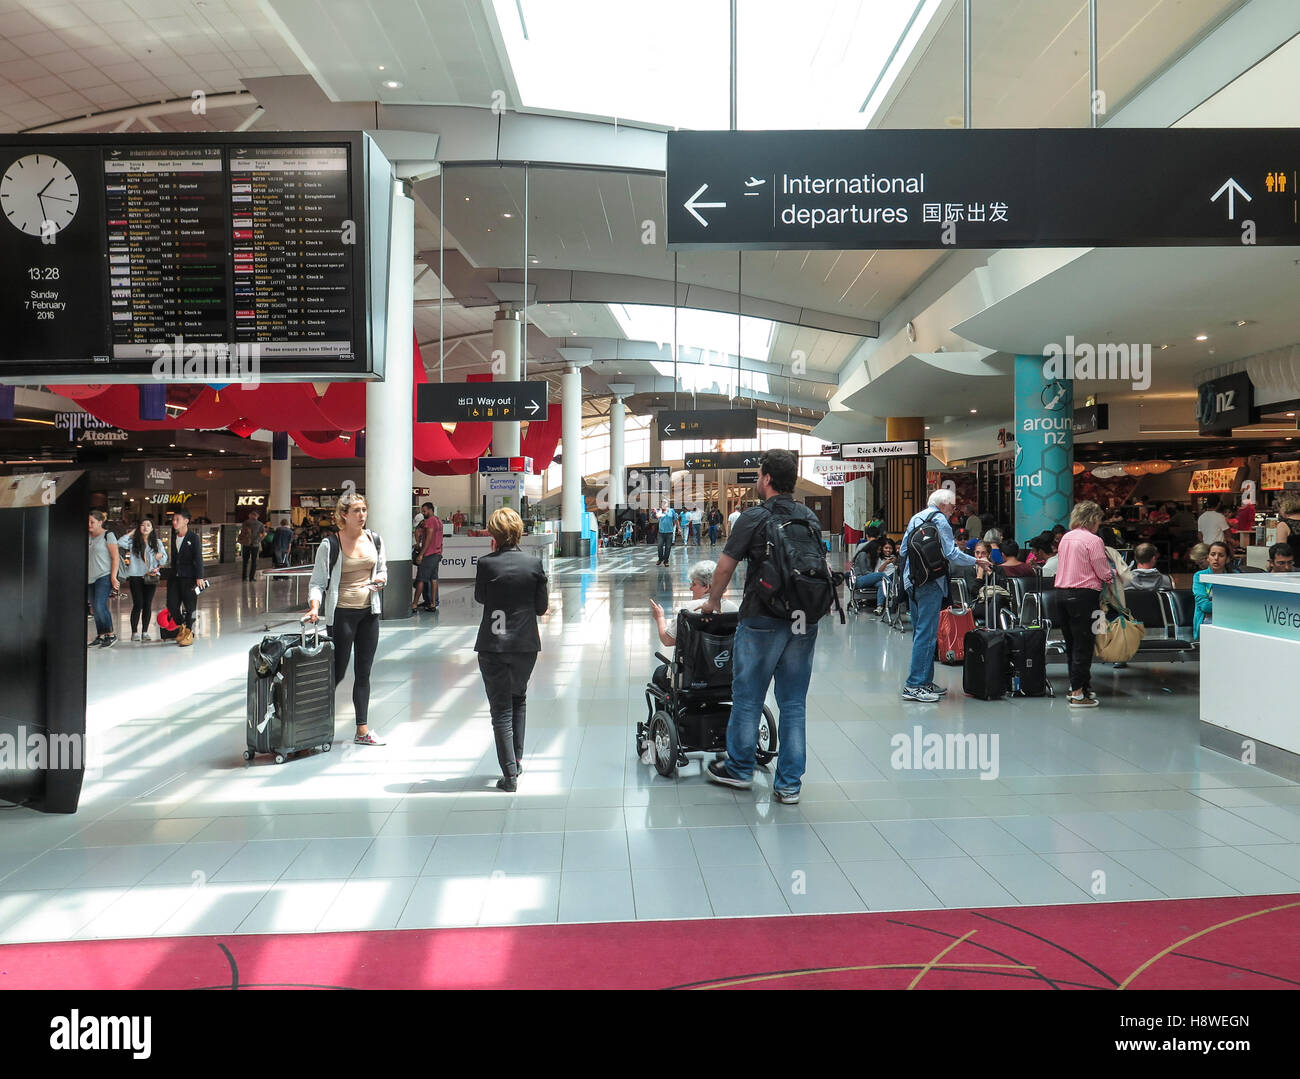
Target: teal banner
<point>1044,472</point>
<point>1256,610</point>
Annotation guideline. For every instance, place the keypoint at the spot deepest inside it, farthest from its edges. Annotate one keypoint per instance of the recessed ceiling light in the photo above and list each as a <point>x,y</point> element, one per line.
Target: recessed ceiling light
<point>1202,337</point>
<point>927,426</point>
<point>393,84</point>
<point>489,230</point>
<point>1290,413</point>
<point>972,412</point>
<point>381,67</point>
<point>171,445</point>
<point>1163,347</point>
<point>507,215</point>
<point>467,198</point>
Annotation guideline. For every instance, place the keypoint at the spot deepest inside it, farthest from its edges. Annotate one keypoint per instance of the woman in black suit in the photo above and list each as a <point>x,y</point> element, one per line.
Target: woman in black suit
<point>512,587</point>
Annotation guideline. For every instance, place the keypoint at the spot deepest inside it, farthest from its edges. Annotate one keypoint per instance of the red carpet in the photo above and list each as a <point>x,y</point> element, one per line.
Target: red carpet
<point>1243,942</point>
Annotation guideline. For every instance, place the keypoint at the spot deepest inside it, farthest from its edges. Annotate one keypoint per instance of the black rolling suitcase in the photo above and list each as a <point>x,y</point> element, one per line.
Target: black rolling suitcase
<point>1027,657</point>
<point>290,695</point>
<point>1028,646</point>
<point>987,662</point>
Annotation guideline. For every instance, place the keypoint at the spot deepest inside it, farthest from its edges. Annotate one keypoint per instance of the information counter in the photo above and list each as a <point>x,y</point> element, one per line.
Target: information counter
<point>460,554</point>
<point>1249,656</point>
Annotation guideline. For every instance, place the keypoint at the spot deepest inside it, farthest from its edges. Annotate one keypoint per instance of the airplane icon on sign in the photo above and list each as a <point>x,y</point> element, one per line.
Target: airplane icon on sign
<point>754,181</point>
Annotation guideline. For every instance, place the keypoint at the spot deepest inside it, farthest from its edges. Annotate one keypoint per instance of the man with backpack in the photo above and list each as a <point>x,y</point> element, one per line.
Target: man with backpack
<point>250,542</point>
<point>788,588</point>
<point>926,551</point>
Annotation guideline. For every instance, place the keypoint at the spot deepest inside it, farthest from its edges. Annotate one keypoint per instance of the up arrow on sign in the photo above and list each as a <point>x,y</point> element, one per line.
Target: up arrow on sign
<point>1231,187</point>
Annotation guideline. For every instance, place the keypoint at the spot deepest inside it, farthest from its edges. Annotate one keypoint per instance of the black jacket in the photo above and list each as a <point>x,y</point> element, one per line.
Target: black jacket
<point>512,587</point>
<point>187,556</point>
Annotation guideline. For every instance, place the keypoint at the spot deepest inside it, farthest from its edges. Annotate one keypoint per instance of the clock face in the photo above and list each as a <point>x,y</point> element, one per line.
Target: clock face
<point>39,188</point>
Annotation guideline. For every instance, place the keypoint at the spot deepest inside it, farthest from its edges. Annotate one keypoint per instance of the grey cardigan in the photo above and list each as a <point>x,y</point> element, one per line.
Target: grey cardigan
<point>321,577</point>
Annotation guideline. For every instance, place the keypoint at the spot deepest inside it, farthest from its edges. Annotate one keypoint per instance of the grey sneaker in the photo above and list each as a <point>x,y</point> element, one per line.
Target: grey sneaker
<point>919,693</point>
<point>786,798</point>
<point>936,689</point>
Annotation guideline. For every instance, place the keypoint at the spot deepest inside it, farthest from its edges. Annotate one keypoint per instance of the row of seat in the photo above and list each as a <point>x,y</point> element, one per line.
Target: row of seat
<point>1166,614</point>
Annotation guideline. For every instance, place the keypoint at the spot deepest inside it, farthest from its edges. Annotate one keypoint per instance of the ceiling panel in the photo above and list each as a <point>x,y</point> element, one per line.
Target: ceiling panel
<point>65,61</point>
<point>1030,60</point>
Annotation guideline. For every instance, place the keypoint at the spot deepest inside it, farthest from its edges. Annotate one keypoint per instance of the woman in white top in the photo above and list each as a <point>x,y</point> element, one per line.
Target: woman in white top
<point>349,573</point>
<point>701,580</point>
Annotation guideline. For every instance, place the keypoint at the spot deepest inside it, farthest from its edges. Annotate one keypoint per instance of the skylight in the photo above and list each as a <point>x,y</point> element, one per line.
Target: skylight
<point>817,64</point>
<point>710,331</point>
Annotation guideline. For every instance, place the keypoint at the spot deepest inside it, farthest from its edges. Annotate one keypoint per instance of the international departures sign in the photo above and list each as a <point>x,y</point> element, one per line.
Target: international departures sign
<point>841,190</point>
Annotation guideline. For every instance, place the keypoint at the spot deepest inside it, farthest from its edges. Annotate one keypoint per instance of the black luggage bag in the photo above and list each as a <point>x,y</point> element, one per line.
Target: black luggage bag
<point>1027,656</point>
<point>987,663</point>
<point>290,695</point>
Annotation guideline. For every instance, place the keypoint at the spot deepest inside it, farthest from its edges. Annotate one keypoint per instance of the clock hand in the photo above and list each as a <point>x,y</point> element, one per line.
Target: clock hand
<point>56,198</point>
<point>46,187</point>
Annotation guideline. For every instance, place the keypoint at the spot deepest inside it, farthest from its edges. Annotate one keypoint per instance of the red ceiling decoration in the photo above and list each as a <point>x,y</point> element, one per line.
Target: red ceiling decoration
<point>315,422</point>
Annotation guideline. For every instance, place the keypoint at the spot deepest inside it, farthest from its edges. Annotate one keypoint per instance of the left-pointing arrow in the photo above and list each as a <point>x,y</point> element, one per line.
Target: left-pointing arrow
<point>691,204</point>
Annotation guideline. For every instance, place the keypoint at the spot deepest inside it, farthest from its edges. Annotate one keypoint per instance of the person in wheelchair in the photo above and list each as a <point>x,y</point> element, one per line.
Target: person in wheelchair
<point>700,581</point>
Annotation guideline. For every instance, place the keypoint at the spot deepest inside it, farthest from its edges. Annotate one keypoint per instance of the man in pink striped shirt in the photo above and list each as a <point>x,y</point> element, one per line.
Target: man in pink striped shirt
<point>1082,570</point>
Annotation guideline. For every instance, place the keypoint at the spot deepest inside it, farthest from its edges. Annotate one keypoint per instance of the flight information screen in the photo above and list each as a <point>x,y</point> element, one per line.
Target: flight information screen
<point>126,260</point>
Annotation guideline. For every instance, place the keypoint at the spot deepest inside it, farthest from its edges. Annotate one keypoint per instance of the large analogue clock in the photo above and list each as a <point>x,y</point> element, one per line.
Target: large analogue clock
<point>38,188</point>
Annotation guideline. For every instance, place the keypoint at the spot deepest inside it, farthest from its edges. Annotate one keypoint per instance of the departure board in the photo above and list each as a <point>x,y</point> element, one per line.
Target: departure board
<point>165,257</point>
<point>293,270</point>
<point>166,232</point>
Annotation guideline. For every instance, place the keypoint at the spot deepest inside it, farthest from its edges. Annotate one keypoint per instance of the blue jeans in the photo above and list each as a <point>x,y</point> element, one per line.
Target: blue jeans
<point>868,580</point>
<point>926,602</point>
<point>97,595</point>
<point>768,648</point>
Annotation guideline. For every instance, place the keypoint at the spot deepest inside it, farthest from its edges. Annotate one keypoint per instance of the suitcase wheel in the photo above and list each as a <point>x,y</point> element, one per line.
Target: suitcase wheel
<point>249,754</point>
<point>326,747</point>
<point>280,758</point>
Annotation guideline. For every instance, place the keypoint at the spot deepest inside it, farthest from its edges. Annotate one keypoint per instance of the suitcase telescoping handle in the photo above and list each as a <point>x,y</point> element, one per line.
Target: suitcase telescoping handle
<point>317,638</point>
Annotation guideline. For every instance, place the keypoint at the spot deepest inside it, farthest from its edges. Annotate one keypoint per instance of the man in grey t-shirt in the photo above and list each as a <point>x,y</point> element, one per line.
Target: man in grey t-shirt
<point>101,578</point>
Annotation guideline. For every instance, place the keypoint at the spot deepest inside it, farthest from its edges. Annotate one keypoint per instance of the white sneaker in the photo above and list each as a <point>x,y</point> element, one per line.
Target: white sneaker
<point>135,636</point>
<point>919,693</point>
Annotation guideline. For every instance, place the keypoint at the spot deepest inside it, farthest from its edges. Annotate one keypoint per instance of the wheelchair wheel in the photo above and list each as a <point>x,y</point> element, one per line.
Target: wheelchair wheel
<point>766,752</point>
<point>664,741</point>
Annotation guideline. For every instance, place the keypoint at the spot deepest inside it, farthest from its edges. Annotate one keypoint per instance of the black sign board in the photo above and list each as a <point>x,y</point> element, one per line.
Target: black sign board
<point>185,257</point>
<point>705,462</point>
<point>709,423</point>
<point>480,402</point>
<point>153,477</point>
<point>746,477</point>
<point>647,476</point>
<point>937,189</point>
<point>1225,403</point>
<point>1091,418</point>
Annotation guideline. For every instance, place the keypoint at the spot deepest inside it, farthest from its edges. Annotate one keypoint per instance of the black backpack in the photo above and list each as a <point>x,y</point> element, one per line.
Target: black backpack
<point>793,578</point>
<point>925,560</point>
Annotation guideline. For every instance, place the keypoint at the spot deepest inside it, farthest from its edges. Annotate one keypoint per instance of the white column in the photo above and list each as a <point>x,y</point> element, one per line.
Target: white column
<point>278,505</point>
<point>505,350</point>
<point>571,467</point>
<point>617,467</point>
<point>388,416</point>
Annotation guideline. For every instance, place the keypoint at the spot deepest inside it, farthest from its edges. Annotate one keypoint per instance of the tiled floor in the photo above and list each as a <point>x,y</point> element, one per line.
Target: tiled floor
<point>177,836</point>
